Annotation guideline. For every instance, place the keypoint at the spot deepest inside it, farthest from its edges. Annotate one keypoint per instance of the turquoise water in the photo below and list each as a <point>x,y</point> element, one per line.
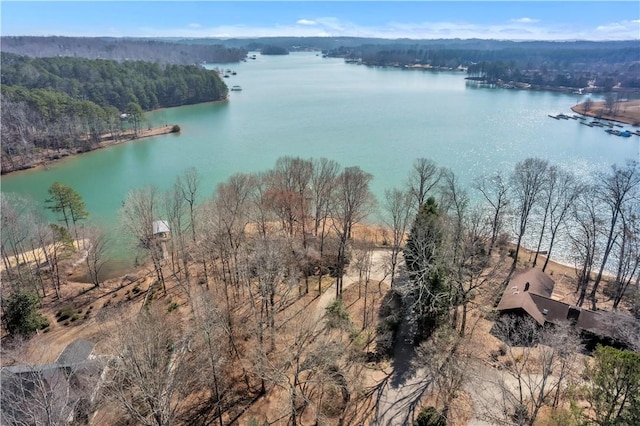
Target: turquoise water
<point>308,106</point>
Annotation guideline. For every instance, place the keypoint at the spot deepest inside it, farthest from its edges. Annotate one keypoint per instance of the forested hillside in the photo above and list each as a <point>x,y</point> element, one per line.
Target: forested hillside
<point>68,103</point>
<point>109,83</point>
<point>123,49</point>
<point>549,64</point>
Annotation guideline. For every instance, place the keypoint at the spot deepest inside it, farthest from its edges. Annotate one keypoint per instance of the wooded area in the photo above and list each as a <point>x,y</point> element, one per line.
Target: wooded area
<point>123,49</point>
<point>580,64</point>
<point>51,104</point>
<point>234,277</point>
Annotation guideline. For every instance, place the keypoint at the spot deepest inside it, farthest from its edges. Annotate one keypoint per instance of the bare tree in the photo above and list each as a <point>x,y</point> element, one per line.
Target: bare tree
<point>495,191</point>
<point>538,363</point>
<point>174,205</point>
<point>323,185</point>
<point>353,203</point>
<point>526,182</point>
<point>307,364</point>
<point>19,218</point>
<point>424,177</point>
<point>210,326</point>
<point>474,269</point>
<point>151,374</point>
<point>585,238</point>
<point>629,253</point>
<point>398,212</point>
<point>188,184</point>
<point>565,191</point>
<point>586,106</point>
<point>137,217</point>
<point>96,252</point>
<point>616,189</point>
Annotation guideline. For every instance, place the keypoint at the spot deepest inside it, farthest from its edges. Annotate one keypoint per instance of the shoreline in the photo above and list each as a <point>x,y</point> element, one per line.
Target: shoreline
<point>628,112</point>
<point>44,160</point>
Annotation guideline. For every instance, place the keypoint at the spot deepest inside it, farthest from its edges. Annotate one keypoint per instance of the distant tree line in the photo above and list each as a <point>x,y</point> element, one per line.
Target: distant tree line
<point>69,103</point>
<point>552,64</point>
<point>123,49</point>
<point>109,83</point>
<point>274,50</point>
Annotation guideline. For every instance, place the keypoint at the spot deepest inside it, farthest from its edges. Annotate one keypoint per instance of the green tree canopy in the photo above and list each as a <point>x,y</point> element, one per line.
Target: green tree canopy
<point>67,202</point>
<point>428,279</point>
<point>614,394</point>
<point>21,316</point>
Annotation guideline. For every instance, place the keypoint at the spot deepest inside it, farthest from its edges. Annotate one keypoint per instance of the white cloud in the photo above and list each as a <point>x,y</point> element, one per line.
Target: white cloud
<point>306,22</point>
<point>524,29</point>
<point>619,30</point>
<point>525,20</point>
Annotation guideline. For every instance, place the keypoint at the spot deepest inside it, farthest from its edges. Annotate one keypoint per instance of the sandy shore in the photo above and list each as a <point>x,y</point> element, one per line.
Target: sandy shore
<point>46,157</point>
<point>628,112</point>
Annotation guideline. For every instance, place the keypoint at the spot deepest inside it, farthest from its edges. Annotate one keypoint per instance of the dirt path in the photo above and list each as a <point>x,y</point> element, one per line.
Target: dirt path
<point>351,277</point>
<point>408,381</point>
<point>405,384</point>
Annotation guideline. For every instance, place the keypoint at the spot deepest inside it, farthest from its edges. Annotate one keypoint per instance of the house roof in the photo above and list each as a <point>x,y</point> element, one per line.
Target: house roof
<point>531,292</point>
<point>77,351</point>
<point>160,226</point>
<point>520,289</point>
<point>552,310</point>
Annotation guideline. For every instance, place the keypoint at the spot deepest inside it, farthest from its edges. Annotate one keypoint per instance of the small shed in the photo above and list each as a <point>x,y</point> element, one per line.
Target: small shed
<point>161,229</point>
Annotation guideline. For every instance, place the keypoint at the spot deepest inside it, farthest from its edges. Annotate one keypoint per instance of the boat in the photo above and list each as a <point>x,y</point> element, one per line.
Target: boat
<point>625,134</point>
<point>236,88</point>
<point>233,73</point>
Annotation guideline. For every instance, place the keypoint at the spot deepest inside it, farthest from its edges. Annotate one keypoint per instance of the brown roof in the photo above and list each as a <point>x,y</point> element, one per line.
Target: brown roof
<point>520,289</point>
<point>531,292</point>
<point>551,310</point>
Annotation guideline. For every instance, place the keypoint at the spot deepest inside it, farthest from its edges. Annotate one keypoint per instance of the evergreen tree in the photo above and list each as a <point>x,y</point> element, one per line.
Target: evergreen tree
<point>66,201</point>
<point>428,279</point>
<point>614,394</point>
<point>21,314</point>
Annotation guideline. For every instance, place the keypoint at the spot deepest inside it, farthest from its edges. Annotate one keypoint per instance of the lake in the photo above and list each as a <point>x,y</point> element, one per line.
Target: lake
<point>304,105</point>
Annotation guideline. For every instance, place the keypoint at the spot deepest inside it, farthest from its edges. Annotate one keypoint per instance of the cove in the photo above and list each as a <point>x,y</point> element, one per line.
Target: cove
<point>304,105</point>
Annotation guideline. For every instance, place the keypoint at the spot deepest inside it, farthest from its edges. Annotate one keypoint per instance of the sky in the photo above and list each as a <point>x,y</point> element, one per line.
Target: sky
<point>503,20</point>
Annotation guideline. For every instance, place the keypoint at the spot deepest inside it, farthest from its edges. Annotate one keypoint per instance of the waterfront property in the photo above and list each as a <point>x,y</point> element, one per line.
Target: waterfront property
<point>530,294</point>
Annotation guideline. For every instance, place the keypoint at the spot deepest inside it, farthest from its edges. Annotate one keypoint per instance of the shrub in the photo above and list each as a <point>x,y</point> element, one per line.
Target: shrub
<point>175,129</point>
<point>338,316</point>
<point>430,416</point>
<point>172,307</point>
<point>65,313</point>
<point>21,314</point>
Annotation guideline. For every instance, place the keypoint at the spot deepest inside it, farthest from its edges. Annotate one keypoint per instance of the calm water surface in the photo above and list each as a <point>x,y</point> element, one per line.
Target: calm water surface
<point>304,105</point>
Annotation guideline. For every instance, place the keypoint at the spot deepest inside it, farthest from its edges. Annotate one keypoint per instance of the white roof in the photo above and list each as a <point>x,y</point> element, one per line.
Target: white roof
<point>160,226</point>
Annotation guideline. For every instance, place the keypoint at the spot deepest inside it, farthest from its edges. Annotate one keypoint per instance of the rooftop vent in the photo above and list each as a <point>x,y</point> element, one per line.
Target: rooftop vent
<point>545,311</point>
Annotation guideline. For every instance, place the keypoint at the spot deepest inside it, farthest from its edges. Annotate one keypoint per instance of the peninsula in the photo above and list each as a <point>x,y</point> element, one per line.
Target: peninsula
<point>44,157</point>
<point>627,112</point>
